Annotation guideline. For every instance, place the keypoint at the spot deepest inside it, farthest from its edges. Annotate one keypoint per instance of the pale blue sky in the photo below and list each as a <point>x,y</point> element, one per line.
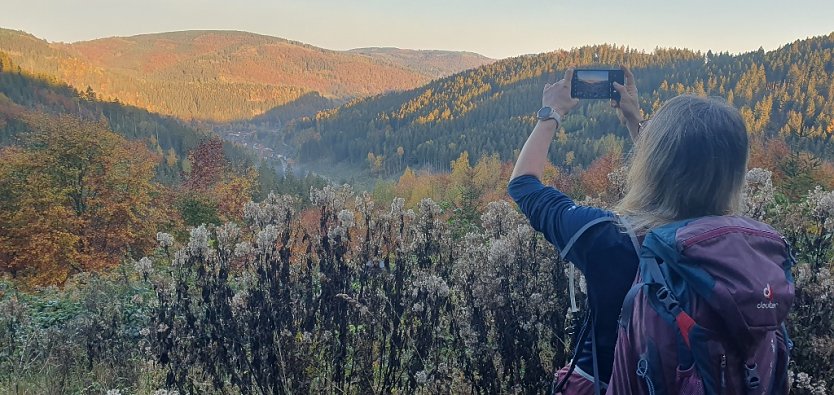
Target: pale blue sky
<point>494,28</point>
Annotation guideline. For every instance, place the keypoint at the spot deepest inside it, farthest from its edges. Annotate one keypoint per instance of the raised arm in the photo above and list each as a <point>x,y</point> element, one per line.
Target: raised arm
<point>550,211</point>
<point>533,156</point>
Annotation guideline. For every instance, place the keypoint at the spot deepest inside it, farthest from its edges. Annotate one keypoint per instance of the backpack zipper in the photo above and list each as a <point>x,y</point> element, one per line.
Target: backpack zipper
<point>723,374</point>
<point>643,372</point>
<point>729,229</point>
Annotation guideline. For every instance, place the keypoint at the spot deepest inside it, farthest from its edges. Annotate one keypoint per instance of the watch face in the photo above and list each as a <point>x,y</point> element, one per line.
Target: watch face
<point>545,112</point>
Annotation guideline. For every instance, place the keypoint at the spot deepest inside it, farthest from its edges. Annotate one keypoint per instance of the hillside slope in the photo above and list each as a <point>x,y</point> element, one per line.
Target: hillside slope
<point>433,63</point>
<point>209,75</point>
<point>788,92</point>
<point>22,95</point>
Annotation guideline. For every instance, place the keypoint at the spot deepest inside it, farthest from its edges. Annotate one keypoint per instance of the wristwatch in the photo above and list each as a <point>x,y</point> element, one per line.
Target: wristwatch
<point>546,113</point>
<point>641,125</point>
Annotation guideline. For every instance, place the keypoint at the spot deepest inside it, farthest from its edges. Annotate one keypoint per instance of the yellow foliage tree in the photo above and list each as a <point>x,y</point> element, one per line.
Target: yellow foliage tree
<point>233,192</point>
<point>487,174</point>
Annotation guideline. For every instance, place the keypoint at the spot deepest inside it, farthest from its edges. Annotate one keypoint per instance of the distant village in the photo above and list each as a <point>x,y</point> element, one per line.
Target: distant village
<point>246,137</point>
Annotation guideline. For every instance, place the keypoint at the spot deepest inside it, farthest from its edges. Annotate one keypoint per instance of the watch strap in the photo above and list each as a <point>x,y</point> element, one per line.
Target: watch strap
<point>553,114</point>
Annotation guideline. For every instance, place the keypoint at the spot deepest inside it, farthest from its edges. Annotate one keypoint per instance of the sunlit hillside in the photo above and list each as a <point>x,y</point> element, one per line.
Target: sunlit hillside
<point>213,75</point>
<point>786,93</point>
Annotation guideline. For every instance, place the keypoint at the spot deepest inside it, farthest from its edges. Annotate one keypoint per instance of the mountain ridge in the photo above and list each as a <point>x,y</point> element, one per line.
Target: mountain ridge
<point>433,62</point>
<point>786,93</point>
<point>182,73</point>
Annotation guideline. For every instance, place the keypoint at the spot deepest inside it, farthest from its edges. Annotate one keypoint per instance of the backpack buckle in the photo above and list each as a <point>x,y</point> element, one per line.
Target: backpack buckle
<point>751,376</point>
<point>664,296</point>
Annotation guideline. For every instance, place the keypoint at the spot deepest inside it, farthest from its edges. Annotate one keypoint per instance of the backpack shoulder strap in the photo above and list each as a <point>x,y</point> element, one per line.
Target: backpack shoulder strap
<point>581,231</point>
<point>651,274</point>
<point>572,269</point>
<point>597,386</point>
<point>574,309</point>
<point>664,295</point>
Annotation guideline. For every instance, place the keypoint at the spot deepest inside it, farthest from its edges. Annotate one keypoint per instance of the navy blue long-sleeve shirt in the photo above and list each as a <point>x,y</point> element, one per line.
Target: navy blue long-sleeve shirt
<point>604,254</point>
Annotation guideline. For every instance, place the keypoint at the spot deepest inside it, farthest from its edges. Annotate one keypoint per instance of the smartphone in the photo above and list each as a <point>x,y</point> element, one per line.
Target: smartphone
<point>596,84</point>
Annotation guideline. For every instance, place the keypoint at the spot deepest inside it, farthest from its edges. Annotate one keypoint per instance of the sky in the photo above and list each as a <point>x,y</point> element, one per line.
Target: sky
<point>497,29</point>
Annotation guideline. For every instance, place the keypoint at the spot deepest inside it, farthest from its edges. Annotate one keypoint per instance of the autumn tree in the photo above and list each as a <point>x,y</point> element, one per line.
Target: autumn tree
<point>800,169</point>
<point>466,195</point>
<point>207,164</point>
<point>490,179</point>
<point>76,198</point>
<point>594,180</point>
<point>406,184</point>
<point>214,191</point>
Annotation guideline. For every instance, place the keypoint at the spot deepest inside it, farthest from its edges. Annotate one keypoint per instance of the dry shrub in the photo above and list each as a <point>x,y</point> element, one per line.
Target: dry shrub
<point>378,299</point>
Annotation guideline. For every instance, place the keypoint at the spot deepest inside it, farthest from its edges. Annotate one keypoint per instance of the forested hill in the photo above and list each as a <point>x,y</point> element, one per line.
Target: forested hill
<point>211,75</point>
<point>22,95</point>
<point>786,92</point>
<point>433,63</point>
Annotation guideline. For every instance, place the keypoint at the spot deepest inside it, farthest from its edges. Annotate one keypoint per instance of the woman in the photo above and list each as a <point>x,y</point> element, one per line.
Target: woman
<point>603,253</point>
<point>688,162</point>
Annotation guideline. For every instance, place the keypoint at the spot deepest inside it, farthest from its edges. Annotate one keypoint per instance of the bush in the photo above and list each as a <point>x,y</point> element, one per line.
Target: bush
<point>375,300</point>
<point>357,298</point>
<point>84,338</point>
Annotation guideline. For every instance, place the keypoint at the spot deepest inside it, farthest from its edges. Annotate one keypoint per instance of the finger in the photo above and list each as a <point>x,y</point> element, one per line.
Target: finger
<point>621,89</point>
<point>568,76</point>
<point>629,76</point>
<point>614,103</point>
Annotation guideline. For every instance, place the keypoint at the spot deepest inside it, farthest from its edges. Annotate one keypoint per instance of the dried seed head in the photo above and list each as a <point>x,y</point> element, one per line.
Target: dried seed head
<point>274,210</point>
<point>421,377</point>
<point>347,219</point>
<point>397,207</point>
<point>243,249</point>
<point>331,197</point>
<point>266,238</point>
<point>165,240</point>
<point>227,236</point>
<point>143,266</point>
<point>198,243</point>
<point>500,217</point>
<point>757,194</point>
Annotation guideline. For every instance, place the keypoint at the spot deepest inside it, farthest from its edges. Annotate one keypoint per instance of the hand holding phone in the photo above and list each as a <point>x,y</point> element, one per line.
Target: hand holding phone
<point>628,107</point>
<point>557,95</point>
<point>596,84</point>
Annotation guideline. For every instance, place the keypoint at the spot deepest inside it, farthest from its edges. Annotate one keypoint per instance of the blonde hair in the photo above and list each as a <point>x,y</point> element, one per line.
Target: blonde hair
<point>689,161</point>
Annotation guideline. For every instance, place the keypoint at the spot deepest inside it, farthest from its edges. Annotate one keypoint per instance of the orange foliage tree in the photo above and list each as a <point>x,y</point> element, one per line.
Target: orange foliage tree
<point>77,197</point>
<point>594,180</point>
<point>768,154</point>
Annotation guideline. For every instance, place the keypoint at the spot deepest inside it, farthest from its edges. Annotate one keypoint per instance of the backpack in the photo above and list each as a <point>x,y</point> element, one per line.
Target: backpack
<point>706,314</point>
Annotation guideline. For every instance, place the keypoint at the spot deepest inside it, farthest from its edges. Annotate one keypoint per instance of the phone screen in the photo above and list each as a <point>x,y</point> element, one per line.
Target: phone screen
<point>593,84</point>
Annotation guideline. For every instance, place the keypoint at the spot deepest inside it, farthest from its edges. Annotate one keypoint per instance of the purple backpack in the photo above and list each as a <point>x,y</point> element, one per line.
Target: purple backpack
<point>706,314</point>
